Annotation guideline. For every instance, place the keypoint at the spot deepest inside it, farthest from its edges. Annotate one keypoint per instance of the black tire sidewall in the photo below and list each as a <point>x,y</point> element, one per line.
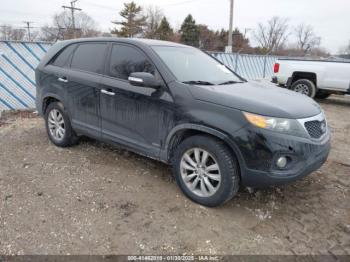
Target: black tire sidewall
<point>69,135</point>
<point>228,167</point>
<point>322,94</point>
<point>311,86</point>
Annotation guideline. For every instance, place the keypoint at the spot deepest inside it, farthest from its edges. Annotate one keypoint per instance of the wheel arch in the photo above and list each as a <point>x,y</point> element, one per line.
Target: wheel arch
<point>298,75</point>
<point>183,131</point>
<point>49,98</point>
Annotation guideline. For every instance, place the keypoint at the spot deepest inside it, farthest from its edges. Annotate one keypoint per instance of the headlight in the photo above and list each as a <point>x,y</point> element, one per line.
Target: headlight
<point>282,125</point>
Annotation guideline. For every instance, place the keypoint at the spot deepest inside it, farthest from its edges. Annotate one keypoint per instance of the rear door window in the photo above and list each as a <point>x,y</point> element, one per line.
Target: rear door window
<point>62,59</point>
<point>89,57</point>
<point>126,60</point>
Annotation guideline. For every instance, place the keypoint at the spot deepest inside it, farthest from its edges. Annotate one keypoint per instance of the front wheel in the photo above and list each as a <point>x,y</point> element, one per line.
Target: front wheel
<point>206,170</point>
<point>58,125</point>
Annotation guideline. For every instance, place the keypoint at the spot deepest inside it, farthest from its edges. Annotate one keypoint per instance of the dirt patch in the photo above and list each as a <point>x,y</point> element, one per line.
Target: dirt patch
<point>7,117</point>
<point>96,199</point>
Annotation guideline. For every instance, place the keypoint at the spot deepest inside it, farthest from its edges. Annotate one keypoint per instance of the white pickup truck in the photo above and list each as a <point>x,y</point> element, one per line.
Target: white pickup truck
<point>315,78</point>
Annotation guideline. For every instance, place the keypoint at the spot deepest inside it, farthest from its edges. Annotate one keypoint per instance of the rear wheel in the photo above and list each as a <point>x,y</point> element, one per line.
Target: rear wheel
<point>206,170</point>
<point>305,87</point>
<point>58,125</point>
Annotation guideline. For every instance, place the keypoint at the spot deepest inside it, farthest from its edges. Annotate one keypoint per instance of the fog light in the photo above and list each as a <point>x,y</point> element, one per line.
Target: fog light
<point>282,162</point>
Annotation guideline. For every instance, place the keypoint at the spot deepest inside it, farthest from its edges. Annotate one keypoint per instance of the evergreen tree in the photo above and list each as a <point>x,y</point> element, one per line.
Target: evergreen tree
<point>133,23</point>
<point>240,42</point>
<point>164,31</point>
<point>189,32</point>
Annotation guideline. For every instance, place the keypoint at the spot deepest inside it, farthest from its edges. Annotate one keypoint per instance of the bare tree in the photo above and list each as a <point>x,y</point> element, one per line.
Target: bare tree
<point>207,38</point>
<point>87,26</point>
<point>19,34</point>
<point>154,16</point>
<point>51,33</point>
<point>306,38</point>
<point>7,32</point>
<point>344,52</point>
<point>272,35</point>
<point>62,27</point>
<point>319,52</point>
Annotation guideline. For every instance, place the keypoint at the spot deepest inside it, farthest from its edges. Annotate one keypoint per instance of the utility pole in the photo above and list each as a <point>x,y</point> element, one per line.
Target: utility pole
<point>229,46</point>
<point>72,9</point>
<point>28,27</point>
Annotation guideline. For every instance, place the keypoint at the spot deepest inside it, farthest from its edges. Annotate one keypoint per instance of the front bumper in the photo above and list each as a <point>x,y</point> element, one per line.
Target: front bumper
<point>261,149</point>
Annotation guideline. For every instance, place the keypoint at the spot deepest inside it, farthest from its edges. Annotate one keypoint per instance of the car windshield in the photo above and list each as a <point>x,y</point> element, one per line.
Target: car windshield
<point>192,66</point>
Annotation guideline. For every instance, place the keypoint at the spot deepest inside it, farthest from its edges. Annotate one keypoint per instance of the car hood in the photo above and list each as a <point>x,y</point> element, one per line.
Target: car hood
<point>260,98</point>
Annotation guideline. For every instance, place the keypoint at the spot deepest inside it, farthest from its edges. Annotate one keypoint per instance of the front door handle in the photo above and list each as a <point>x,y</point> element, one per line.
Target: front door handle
<point>63,79</point>
<point>103,91</point>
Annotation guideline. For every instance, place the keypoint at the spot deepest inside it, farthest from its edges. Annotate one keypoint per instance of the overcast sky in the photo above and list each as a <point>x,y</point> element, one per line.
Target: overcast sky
<point>330,18</point>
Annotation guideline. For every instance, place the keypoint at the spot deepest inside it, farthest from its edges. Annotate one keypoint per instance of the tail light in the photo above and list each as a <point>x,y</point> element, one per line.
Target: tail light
<point>276,68</point>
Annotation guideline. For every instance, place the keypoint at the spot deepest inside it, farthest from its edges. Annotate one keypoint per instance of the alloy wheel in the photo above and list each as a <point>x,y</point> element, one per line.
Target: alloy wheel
<point>302,88</point>
<point>56,125</point>
<point>200,172</point>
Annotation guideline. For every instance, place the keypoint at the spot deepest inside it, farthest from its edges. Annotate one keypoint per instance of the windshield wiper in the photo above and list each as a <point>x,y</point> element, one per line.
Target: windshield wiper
<point>198,82</point>
<point>230,82</point>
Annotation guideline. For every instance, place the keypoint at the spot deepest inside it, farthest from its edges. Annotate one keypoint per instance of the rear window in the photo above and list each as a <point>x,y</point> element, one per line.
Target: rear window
<point>62,59</point>
<point>89,57</point>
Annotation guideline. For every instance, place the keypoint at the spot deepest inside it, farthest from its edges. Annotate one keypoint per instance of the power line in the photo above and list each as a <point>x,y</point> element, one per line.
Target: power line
<point>9,24</point>
<point>22,13</point>
<point>100,6</point>
<point>72,9</point>
<point>165,5</point>
<point>180,3</point>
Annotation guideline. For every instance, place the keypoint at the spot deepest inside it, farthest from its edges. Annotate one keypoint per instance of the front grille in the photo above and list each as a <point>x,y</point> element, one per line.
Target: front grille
<point>316,128</point>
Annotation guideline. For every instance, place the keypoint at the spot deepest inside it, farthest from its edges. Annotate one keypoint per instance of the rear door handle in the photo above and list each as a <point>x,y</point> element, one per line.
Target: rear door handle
<point>63,79</point>
<point>104,91</point>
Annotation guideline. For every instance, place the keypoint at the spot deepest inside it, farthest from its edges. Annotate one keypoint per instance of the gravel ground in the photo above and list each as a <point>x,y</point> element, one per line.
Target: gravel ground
<point>95,199</point>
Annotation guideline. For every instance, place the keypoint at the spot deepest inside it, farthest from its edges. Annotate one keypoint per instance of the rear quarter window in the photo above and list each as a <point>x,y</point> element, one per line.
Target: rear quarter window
<point>63,57</point>
<point>89,57</point>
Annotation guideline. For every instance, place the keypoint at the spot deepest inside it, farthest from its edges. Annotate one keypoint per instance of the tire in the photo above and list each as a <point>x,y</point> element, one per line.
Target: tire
<point>322,94</point>
<point>304,86</point>
<point>60,138</point>
<point>228,171</point>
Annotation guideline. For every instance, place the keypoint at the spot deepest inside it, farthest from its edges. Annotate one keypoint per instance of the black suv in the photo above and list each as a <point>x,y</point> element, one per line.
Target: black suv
<point>181,106</point>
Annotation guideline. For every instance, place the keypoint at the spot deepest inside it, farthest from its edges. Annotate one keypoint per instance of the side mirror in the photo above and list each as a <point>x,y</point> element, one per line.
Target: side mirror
<point>143,79</point>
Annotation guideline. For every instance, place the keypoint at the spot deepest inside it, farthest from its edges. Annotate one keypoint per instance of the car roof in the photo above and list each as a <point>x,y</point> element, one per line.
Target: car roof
<point>142,41</point>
